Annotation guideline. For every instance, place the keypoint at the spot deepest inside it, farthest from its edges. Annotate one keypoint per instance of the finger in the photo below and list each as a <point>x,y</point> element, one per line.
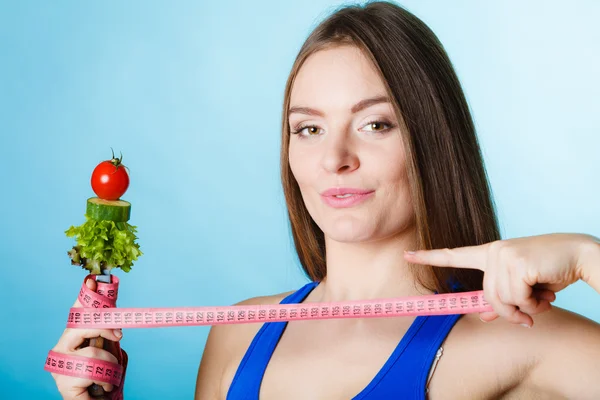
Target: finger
<point>91,284</point>
<point>512,295</point>
<point>543,298</point>
<point>490,295</point>
<point>528,300</point>
<point>488,316</point>
<point>532,306</point>
<point>72,338</point>
<point>495,293</point>
<point>516,316</point>
<point>99,354</point>
<point>471,257</point>
<point>77,388</point>
<point>94,352</point>
<point>74,385</point>
<point>544,294</point>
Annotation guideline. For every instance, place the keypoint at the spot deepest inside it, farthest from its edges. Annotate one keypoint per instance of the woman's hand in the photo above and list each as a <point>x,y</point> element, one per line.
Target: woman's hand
<point>74,387</point>
<point>522,275</point>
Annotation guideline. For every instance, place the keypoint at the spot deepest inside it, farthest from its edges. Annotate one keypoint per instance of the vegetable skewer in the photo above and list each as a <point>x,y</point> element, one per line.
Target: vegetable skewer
<point>105,240</point>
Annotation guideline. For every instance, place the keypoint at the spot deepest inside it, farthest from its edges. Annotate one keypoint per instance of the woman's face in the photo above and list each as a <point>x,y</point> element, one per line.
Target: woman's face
<point>345,135</point>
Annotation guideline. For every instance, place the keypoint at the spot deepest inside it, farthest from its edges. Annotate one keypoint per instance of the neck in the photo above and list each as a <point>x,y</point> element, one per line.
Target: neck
<point>368,270</point>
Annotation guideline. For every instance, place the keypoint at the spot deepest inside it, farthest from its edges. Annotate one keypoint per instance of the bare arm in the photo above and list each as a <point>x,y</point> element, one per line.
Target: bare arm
<point>569,356</point>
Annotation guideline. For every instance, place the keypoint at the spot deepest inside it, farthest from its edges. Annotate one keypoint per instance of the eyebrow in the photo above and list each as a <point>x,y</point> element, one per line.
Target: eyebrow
<point>361,105</point>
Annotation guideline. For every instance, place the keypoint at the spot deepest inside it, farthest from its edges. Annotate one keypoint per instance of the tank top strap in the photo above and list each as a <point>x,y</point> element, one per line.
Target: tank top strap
<point>404,374</point>
<point>411,362</point>
<point>248,377</point>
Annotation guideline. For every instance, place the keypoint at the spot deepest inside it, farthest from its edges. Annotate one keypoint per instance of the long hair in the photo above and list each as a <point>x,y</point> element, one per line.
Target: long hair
<point>448,183</point>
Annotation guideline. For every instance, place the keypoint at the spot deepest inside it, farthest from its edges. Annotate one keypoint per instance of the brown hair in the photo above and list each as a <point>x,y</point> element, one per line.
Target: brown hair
<point>448,182</point>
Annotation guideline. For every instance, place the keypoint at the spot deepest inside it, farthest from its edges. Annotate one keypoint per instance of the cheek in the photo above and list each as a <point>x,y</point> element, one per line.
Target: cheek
<point>389,165</point>
<point>302,166</point>
<point>404,198</point>
<point>293,162</point>
<point>300,163</point>
<point>394,176</point>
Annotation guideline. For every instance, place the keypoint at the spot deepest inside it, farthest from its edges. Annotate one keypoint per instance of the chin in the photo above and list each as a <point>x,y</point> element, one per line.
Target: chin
<point>346,230</point>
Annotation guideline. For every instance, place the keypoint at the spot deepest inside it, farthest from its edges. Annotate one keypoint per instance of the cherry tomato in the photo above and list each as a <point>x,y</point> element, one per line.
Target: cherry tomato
<point>110,179</point>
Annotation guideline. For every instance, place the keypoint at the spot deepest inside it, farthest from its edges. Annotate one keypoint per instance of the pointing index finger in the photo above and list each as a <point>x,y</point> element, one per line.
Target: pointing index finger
<point>470,257</point>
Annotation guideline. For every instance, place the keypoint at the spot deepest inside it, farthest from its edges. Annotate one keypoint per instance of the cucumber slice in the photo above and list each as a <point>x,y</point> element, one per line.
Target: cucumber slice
<point>108,210</point>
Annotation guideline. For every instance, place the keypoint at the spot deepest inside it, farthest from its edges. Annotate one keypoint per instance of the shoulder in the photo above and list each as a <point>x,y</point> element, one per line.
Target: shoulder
<point>225,348</point>
<point>567,348</point>
<point>557,356</point>
<point>550,328</point>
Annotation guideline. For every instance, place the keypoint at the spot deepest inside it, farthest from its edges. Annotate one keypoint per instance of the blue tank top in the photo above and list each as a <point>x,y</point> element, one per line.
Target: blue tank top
<point>404,374</point>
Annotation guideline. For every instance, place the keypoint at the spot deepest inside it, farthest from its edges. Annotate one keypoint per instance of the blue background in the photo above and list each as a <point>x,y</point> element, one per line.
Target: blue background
<point>191,94</point>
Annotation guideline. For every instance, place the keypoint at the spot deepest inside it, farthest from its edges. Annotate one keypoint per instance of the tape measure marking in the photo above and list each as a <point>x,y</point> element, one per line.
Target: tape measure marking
<point>99,311</point>
<point>87,367</point>
<point>440,304</point>
<point>84,367</point>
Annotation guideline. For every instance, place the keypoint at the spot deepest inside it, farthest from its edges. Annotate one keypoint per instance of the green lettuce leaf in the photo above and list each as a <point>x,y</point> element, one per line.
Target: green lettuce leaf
<point>104,244</point>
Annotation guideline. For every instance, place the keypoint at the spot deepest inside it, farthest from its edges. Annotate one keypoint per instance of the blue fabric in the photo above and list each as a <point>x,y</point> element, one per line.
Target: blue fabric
<point>404,374</point>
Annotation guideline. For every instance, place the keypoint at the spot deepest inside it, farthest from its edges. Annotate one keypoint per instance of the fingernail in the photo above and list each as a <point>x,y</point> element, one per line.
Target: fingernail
<point>409,252</point>
<point>526,325</point>
<point>118,332</point>
<point>482,320</point>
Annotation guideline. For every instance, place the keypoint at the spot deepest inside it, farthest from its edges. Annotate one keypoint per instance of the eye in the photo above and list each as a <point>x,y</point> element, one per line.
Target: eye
<point>312,130</point>
<point>378,126</point>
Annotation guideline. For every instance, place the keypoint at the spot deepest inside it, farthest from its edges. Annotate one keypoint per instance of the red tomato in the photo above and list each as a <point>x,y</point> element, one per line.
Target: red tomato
<point>110,179</point>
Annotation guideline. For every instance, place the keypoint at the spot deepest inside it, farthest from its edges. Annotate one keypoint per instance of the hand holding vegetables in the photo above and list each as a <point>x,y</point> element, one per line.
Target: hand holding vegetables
<point>74,342</point>
<point>104,241</point>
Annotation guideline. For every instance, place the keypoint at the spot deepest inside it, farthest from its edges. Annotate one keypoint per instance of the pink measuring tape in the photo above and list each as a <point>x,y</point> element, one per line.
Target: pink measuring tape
<point>99,311</point>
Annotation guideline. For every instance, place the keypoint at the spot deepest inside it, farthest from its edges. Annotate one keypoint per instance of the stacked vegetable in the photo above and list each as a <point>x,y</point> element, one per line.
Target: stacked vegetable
<point>106,240</point>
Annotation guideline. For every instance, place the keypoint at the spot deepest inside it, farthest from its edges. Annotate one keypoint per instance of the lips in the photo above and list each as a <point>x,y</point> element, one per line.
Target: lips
<point>343,191</point>
<point>351,197</point>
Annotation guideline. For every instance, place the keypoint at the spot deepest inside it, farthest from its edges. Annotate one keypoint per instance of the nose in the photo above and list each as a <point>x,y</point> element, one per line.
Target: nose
<point>339,154</point>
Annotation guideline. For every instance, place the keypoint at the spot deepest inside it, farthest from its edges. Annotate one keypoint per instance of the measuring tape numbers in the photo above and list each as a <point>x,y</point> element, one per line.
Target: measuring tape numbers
<point>99,312</point>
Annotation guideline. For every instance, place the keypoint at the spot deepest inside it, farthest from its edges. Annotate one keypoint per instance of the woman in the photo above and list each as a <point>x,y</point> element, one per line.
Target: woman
<point>380,157</point>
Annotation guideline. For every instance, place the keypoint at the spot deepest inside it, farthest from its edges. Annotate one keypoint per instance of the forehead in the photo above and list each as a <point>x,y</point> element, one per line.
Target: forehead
<point>336,77</point>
